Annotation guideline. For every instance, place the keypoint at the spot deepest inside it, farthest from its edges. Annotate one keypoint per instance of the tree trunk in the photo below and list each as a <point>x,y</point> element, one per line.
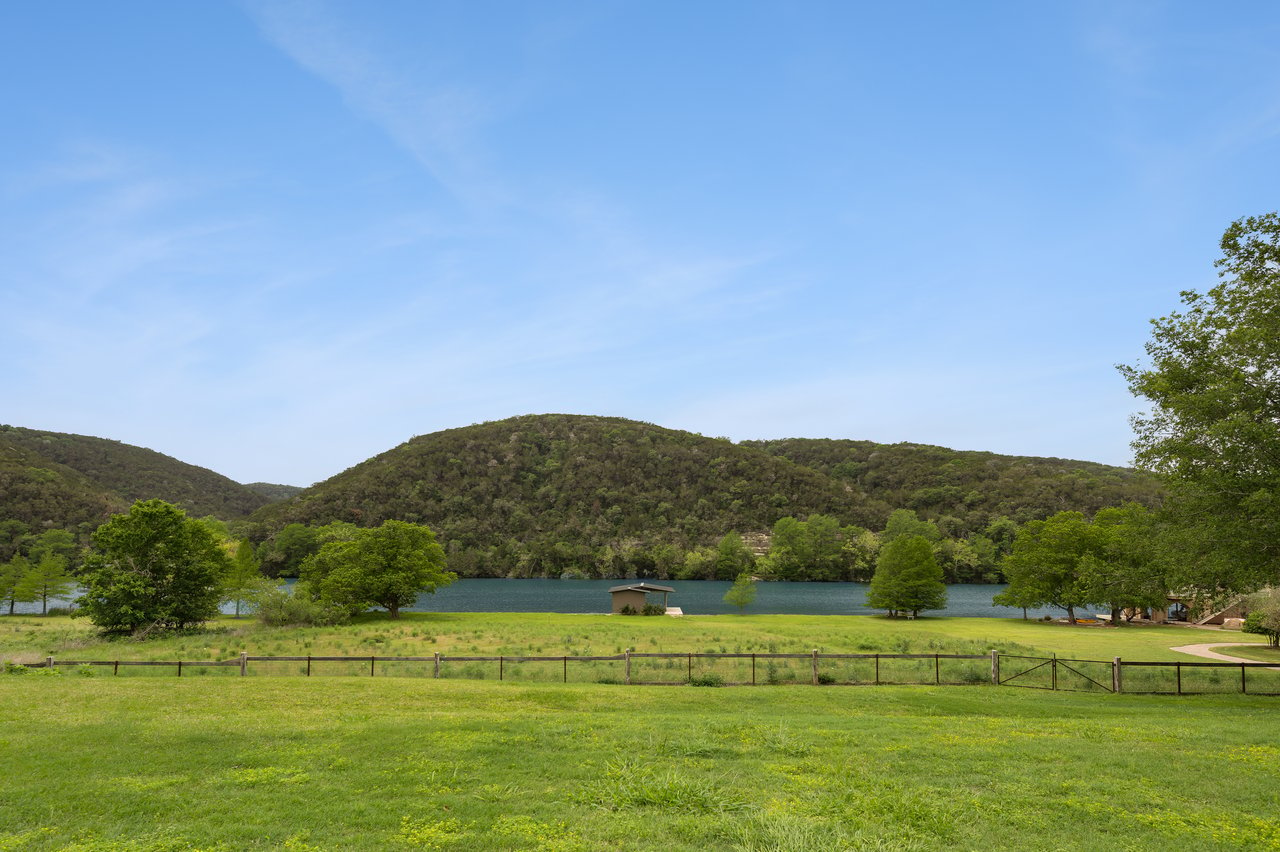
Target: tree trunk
<point>1071,614</point>
<point>1116,617</point>
<point>1024,613</point>
<point>394,610</point>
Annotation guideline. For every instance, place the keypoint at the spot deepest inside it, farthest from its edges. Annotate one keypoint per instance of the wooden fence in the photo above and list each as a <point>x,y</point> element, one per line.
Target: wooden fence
<point>1136,677</point>
<point>737,669</point>
<point>629,667</point>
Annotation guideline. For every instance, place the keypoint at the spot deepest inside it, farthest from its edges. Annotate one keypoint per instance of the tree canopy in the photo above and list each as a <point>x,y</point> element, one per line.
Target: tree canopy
<point>907,578</point>
<point>152,567</point>
<point>1213,430</point>
<point>386,566</point>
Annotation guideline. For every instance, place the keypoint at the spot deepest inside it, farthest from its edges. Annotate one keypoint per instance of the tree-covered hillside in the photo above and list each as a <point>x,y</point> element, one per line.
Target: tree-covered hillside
<point>534,494</point>
<point>542,495</point>
<point>274,492</point>
<point>966,490</point>
<point>51,479</point>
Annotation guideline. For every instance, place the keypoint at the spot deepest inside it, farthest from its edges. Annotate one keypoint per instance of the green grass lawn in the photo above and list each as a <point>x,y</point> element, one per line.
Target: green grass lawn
<point>32,638</point>
<point>345,763</point>
<point>1261,653</point>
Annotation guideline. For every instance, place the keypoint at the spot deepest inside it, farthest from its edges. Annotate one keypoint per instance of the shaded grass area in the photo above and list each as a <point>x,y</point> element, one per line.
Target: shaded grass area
<point>98,764</point>
<point>31,638</point>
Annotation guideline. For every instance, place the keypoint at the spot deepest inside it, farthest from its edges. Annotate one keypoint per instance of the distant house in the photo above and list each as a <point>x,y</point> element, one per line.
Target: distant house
<point>1185,609</point>
<point>634,595</point>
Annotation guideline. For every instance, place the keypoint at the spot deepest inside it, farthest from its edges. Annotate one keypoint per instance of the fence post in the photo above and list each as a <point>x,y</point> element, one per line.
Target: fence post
<point>937,670</point>
<point>1116,685</point>
<point>48,662</point>
<point>627,656</point>
<point>1178,669</point>
<point>499,667</point>
<point>877,669</point>
<point>1244,688</point>
<point>753,668</point>
<point>179,668</point>
<point>244,663</point>
<point>690,667</point>
<point>436,672</point>
<point>566,669</point>
<point>308,665</point>
<point>371,662</point>
<point>115,670</point>
<point>995,667</point>
<point>1055,670</point>
<point>815,666</point>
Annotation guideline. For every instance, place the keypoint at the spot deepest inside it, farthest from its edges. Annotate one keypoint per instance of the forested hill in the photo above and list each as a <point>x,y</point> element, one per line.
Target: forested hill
<point>543,493</point>
<point>963,489</point>
<point>51,479</point>
<point>561,486</point>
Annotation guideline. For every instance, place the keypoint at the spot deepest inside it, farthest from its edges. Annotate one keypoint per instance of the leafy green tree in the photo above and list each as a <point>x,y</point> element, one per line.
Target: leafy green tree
<point>742,593</point>
<point>1264,615</point>
<point>243,579</point>
<point>905,522</point>
<point>907,578</point>
<point>861,547</point>
<point>1045,565</point>
<point>12,589</point>
<point>811,550</point>
<point>1213,430</point>
<point>386,566</point>
<point>732,557</point>
<point>283,554</point>
<point>699,564</point>
<point>12,533</point>
<point>152,568</point>
<point>48,578</point>
<point>1123,573</point>
<point>58,542</point>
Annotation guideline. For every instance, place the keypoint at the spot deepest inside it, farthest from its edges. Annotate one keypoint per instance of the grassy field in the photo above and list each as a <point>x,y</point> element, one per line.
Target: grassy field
<point>1261,653</point>
<point>32,638</point>
<point>345,763</point>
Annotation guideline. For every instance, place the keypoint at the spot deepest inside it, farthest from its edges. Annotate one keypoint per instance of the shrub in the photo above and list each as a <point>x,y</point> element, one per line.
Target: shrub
<point>706,679</point>
<point>826,679</point>
<point>628,610</point>
<point>653,609</point>
<point>85,670</point>
<point>278,607</point>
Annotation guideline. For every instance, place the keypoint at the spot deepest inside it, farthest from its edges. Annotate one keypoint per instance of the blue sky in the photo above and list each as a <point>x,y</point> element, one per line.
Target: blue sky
<point>274,239</point>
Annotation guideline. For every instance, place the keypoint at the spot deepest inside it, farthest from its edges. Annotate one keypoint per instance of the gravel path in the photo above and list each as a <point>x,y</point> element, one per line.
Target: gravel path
<point>1206,650</point>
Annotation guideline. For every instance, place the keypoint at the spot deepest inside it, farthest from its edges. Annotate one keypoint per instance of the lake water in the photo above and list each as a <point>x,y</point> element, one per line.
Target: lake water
<point>695,597</point>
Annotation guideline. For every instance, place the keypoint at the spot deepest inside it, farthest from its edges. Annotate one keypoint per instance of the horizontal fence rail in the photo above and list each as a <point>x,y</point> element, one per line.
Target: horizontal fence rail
<point>743,669</point>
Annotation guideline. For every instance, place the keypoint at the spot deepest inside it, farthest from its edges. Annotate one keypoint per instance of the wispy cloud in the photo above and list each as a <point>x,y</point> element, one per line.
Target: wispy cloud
<point>434,120</point>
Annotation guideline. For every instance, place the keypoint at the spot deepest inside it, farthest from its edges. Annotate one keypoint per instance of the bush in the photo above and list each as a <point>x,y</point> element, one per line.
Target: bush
<point>628,610</point>
<point>826,679</point>
<point>706,679</point>
<point>653,609</point>
<point>278,607</point>
<point>61,610</point>
<point>85,670</point>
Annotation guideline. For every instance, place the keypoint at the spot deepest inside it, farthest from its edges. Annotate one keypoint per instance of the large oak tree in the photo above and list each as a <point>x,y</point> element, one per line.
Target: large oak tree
<point>1213,430</point>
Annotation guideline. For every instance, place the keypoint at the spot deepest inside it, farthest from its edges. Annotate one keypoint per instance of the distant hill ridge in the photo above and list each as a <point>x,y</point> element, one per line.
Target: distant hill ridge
<point>54,479</point>
<point>538,492</point>
<point>564,486</point>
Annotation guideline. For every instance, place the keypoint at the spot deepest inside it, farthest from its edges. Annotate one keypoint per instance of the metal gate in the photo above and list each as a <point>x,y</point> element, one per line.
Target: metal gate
<point>1055,673</point>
